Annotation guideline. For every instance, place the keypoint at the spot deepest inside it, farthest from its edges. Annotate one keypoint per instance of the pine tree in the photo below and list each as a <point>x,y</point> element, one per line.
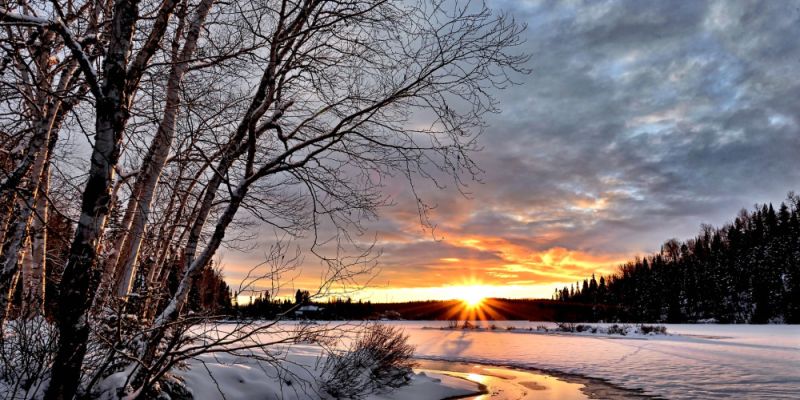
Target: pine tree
<point>746,271</point>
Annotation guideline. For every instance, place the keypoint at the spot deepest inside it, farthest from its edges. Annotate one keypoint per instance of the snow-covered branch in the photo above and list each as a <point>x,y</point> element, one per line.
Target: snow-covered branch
<point>69,40</point>
<point>17,19</point>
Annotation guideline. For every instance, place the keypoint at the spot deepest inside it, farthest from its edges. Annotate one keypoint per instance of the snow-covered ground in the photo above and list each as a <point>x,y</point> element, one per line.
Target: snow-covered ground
<point>695,361</point>
<point>691,362</point>
<point>223,376</point>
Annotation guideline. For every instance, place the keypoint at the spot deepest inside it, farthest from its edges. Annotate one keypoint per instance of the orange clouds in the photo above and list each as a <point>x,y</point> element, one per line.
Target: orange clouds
<point>557,262</point>
<point>495,266</point>
<point>508,248</point>
<point>511,270</point>
<point>591,204</point>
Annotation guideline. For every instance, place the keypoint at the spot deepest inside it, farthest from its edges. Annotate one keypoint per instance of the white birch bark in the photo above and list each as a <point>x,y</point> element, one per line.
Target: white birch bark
<point>157,155</point>
<point>36,262</point>
<point>25,207</point>
<point>79,284</point>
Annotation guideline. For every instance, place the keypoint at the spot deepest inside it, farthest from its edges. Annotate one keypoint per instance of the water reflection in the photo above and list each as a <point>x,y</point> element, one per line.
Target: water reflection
<point>507,383</point>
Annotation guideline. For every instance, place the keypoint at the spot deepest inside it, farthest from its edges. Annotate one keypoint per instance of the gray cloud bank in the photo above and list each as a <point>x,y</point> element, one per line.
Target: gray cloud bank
<point>671,113</point>
<point>640,120</point>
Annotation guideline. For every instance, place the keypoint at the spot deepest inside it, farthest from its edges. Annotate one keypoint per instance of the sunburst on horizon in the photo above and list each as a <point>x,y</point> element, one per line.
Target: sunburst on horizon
<point>473,299</point>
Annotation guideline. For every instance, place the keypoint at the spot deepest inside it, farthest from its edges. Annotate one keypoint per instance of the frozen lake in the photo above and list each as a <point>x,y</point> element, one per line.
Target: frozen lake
<point>506,383</point>
<point>699,361</point>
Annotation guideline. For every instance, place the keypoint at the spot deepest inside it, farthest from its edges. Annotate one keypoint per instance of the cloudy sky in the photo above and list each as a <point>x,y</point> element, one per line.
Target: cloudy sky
<point>640,121</point>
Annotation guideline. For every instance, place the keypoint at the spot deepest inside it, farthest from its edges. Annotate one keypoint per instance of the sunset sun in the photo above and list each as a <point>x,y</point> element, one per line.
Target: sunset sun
<point>472,300</point>
<point>406,199</point>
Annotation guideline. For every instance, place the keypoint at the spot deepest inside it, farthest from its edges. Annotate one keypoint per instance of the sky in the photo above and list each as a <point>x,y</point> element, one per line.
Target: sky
<point>639,121</point>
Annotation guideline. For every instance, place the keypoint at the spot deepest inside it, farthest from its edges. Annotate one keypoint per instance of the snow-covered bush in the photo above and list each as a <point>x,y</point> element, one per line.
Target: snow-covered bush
<point>654,329</point>
<point>566,326</point>
<point>618,329</point>
<point>378,359</point>
<point>27,347</point>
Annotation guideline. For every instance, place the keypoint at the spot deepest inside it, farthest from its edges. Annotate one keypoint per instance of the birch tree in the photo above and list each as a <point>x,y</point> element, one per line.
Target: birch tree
<point>334,98</point>
<point>112,89</point>
<point>315,103</point>
<point>40,85</point>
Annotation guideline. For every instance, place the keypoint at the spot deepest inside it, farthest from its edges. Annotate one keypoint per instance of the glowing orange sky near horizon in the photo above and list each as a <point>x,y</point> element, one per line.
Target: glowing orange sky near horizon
<point>513,271</point>
<point>495,246</point>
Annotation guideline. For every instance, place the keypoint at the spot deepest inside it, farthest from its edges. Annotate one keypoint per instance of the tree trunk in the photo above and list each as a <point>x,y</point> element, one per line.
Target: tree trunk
<point>34,272</point>
<point>80,278</point>
<point>191,271</point>
<point>110,266</point>
<point>16,244</point>
<point>6,220</point>
<point>156,158</point>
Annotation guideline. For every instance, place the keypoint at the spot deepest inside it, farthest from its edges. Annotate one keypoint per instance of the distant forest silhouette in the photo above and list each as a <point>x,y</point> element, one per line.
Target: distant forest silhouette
<point>491,309</point>
<point>747,271</point>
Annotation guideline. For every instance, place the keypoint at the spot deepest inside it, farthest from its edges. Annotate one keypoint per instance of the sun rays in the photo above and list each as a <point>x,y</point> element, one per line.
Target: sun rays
<point>472,303</point>
<point>472,300</point>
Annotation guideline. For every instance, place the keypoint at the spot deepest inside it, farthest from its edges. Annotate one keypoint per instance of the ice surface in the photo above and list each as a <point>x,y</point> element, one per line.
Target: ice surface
<point>697,361</point>
<point>693,362</point>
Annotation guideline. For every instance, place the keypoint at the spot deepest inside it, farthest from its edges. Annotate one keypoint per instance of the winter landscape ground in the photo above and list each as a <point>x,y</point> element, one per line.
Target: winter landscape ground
<point>690,362</point>
<point>189,189</point>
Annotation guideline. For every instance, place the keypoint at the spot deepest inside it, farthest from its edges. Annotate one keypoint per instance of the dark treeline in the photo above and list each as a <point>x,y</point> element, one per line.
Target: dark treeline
<point>210,293</point>
<point>264,307</point>
<point>747,271</point>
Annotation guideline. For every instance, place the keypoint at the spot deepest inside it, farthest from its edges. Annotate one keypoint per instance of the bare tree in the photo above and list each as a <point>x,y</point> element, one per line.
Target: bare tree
<point>315,104</point>
<point>39,88</point>
<point>153,163</point>
<point>112,89</point>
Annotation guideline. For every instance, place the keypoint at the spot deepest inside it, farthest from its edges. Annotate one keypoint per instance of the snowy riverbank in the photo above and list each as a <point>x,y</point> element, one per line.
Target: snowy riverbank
<point>611,330</point>
<point>692,362</point>
<point>223,376</point>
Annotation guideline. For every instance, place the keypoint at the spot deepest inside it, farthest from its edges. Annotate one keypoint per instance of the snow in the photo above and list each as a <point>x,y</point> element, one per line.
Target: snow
<point>222,376</point>
<point>693,361</point>
<point>430,386</point>
<point>606,330</point>
<point>22,18</point>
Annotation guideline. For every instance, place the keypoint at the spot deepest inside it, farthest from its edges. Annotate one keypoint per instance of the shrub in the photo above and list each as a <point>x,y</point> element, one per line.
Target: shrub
<point>468,325</point>
<point>27,347</point>
<point>618,330</point>
<point>378,359</point>
<point>654,329</point>
<point>582,328</point>
<point>566,326</point>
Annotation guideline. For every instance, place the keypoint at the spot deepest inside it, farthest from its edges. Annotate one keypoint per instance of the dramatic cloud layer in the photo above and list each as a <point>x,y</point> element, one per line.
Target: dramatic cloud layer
<point>640,120</point>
